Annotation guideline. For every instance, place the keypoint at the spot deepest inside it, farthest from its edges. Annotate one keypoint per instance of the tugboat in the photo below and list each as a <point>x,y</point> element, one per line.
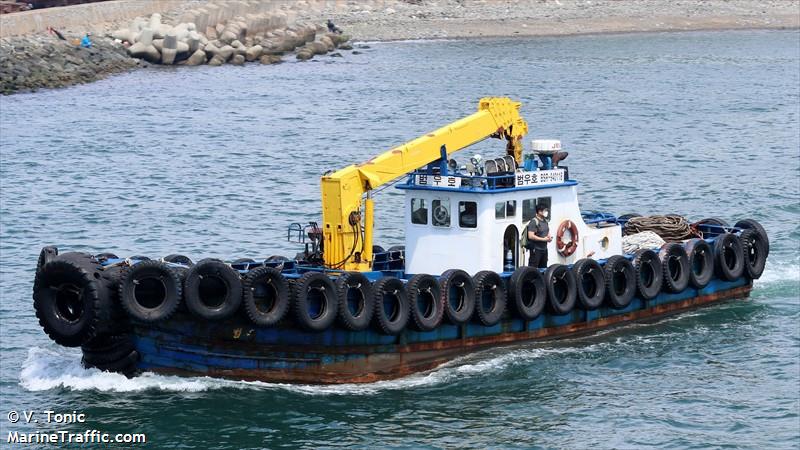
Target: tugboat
<point>347,311</point>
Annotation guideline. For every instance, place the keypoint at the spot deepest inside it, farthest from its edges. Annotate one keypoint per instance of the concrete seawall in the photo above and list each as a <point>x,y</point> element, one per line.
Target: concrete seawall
<point>87,17</point>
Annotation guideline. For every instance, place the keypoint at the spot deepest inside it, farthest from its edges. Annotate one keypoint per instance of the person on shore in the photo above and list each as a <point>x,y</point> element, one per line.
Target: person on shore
<point>538,237</point>
<point>86,42</point>
<point>333,28</point>
<point>57,33</point>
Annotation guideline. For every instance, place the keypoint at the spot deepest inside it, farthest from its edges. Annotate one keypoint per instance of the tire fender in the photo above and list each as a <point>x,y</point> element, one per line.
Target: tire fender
<point>527,292</point>
<point>561,289</point>
<point>490,297</point>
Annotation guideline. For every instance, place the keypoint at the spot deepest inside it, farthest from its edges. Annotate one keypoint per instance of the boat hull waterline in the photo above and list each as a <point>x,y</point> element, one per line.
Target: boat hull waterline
<point>239,351</point>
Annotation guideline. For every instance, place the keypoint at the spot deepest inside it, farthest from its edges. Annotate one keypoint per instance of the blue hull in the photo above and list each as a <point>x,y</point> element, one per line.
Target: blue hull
<point>237,349</point>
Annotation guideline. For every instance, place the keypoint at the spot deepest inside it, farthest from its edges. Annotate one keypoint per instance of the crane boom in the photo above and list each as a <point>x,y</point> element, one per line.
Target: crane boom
<point>343,191</point>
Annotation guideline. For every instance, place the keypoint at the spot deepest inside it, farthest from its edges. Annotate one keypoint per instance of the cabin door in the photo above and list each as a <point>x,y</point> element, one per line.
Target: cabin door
<point>511,244</point>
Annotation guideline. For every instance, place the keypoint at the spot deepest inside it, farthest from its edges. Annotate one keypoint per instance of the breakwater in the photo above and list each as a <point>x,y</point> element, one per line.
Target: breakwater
<point>215,33</point>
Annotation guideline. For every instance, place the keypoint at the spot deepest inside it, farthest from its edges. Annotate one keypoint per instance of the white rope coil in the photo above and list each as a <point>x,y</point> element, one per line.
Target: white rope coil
<point>638,241</point>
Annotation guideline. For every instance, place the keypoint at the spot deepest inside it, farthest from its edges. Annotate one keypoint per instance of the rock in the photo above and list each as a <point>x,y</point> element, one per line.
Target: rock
<point>155,21</point>
<point>183,47</point>
<point>237,60</point>
<point>225,52</point>
<point>210,49</point>
<point>145,37</point>
<point>253,52</point>
<point>146,52</point>
<point>356,52</point>
<point>158,44</point>
<point>168,56</point>
<point>124,35</point>
<point>228,36</point>
<point>335,55</point>
<point>327,42</point>
<point>217,60</point>
<point>197,58</point>
<point>171,41</point>
<point>194,44</point>
<point>304,55</point>
<point>345,47</point>
<point>319,47</point>
<point>270,59</point>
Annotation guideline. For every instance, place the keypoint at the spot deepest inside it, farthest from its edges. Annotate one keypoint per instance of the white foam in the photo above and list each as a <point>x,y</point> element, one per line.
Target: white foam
<point>46,369</point>
<point>780,272</point>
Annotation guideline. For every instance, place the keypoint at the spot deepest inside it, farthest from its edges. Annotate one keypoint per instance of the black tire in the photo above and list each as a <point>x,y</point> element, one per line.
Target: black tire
<point>701,263</point>
<point>675,267</point>
<point>590,283</point>
<point>490,297</point>
<point>755,254</point>
<point>355,297</point>
<point>277,258</point>
<point>150,292</point>
<point>648,272</point>
<point>315,302</point>
<point>527,292</point>
<point>265,296</point>
<point>107,348</point>
<point>47,254</point>
<point>377,249</point>
<point>391,305</point>
<point>425,302</point>
<point>561,289</point>
<point>713,221</point>
<point>396,248</point>
<point>458,295</point>
<point>139,258</point>
<point>628,216</point>
<point>125,365</point>
<point>72,305</point>
<point>751,224</point>
<point>178,259</point>
<point>620,281</point>
<point>212,290</point>
<point>728,256</point>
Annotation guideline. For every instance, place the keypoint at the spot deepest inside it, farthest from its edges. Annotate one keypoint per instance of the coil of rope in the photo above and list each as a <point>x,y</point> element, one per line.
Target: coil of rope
<point>671,228</point>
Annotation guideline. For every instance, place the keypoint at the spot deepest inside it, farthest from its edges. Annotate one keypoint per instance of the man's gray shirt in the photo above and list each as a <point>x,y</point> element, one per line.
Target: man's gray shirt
<point>540,229</point>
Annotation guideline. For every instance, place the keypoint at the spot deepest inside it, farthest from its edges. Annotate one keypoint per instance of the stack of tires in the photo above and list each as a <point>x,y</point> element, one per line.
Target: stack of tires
<point>80,302</point>
<point>75,300</point>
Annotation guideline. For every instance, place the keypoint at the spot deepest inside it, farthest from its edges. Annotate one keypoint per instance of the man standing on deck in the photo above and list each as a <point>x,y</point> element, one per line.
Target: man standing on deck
<point>538,237</point>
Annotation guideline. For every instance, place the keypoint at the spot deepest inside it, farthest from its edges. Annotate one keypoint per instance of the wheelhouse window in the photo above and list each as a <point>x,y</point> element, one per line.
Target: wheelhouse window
<point>504,210</point>
<point>419,212</point>
<point>500,210</point>
<point>529,207</point>
<point>440,212</point>
<point>467,214</point>
<point>543,201</point>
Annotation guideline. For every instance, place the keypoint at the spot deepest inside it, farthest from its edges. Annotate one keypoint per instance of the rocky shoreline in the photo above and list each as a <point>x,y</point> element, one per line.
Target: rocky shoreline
<point>240,31</point>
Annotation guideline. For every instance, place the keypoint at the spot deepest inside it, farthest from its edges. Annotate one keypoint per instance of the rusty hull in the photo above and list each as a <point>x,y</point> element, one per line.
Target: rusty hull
<point>238,351</point>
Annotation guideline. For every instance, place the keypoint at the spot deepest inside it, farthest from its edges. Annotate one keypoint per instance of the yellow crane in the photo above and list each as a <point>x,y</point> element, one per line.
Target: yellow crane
<point>347,207</point>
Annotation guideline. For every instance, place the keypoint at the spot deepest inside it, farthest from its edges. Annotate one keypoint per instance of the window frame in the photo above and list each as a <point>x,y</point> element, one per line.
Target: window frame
<point>449,212</point>
<point>460,214</point>
<point>427,212</point>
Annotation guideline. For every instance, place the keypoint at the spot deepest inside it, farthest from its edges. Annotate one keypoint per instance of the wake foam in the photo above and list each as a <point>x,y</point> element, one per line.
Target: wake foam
<point>46,369</point>
<point>780,272</point>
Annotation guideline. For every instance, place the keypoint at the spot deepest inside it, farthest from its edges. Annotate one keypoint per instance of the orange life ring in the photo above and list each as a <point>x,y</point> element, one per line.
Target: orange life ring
<point>569,248</point>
